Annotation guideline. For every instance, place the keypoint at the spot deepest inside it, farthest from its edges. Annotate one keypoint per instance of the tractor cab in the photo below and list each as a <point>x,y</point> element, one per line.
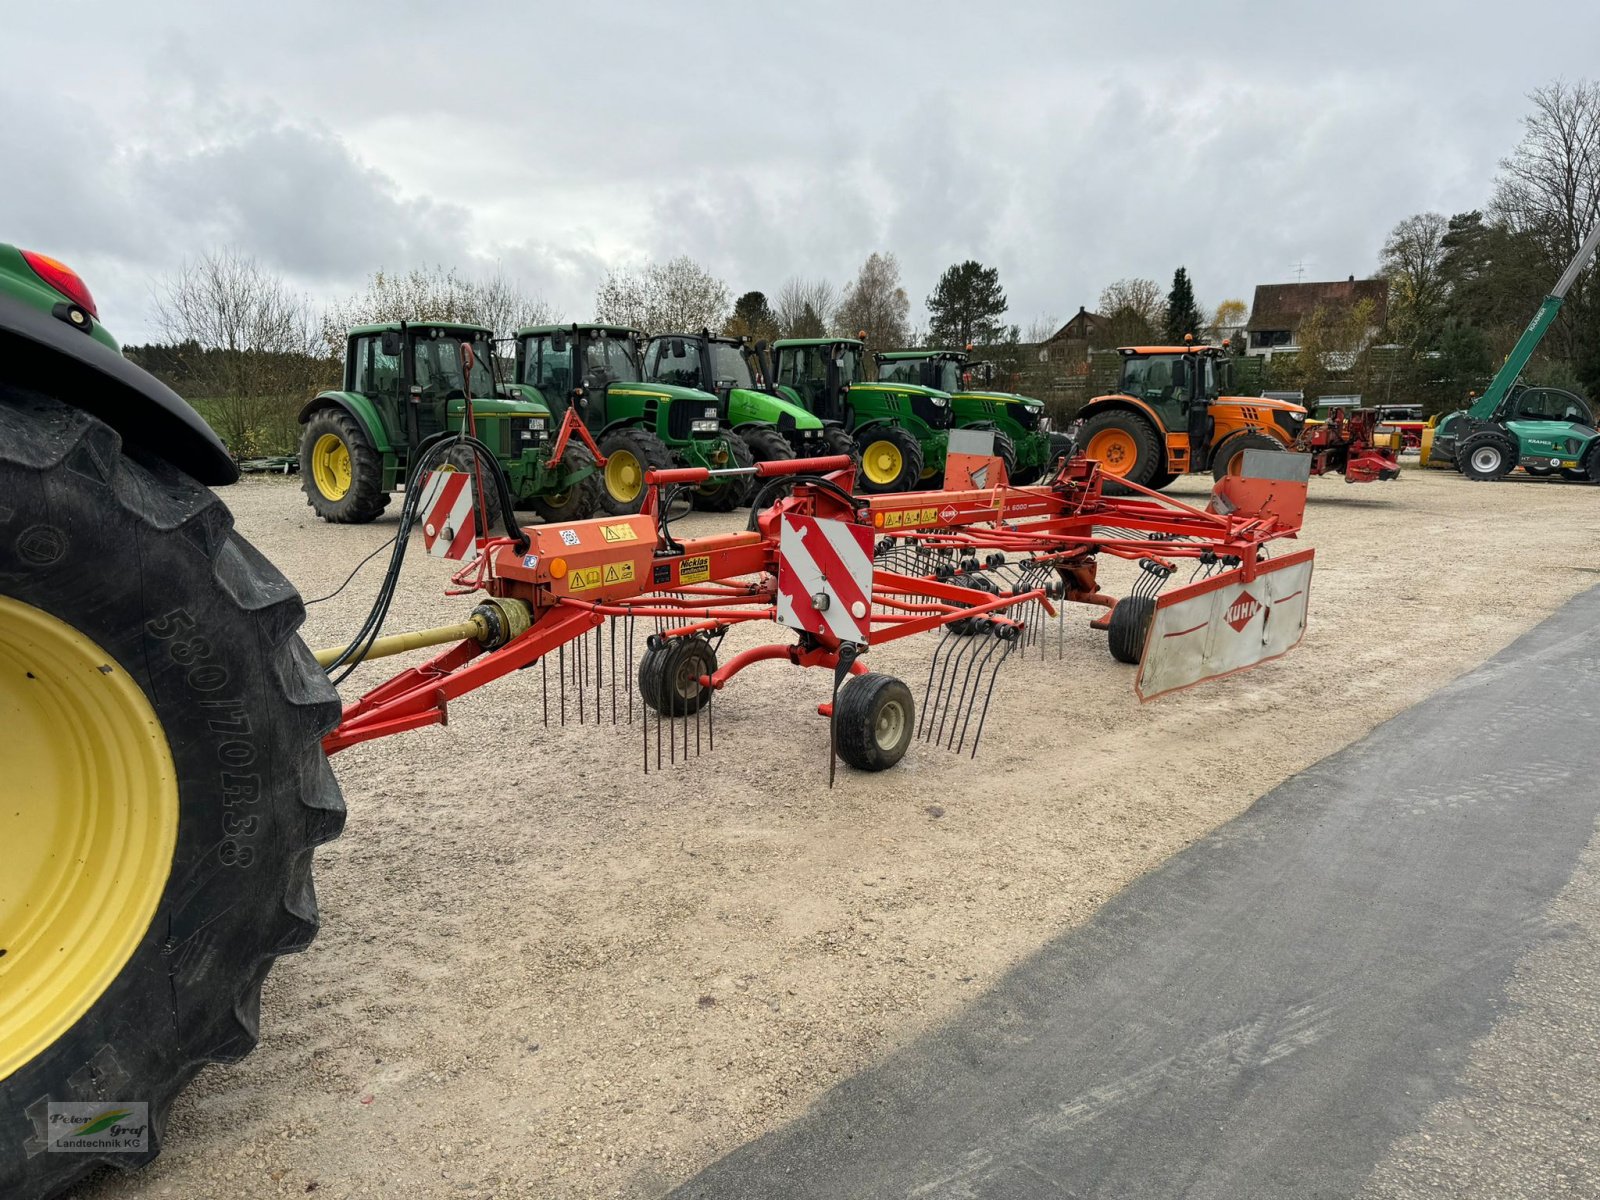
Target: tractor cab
<point>821,371</point>
<point>578,363</point>
<point>941,369</point>
<point>412,373</point>
<point>772,424</point>
<point>1179,384</point>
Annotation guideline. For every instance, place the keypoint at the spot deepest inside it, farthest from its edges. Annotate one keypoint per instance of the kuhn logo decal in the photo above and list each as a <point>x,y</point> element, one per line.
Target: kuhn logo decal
<point>1240,611</point>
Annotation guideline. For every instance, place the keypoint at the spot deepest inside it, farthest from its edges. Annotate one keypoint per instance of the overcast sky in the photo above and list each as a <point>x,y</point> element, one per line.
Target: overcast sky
<point>1066,144</point>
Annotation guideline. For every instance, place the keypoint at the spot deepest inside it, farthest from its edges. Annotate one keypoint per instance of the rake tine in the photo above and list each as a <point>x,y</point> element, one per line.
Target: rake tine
<point>984,715</point>
<point>644,724</point>
<point>977,685</point>
<point>599,668</point>
<point>697,709</point>
<point>975,662</point>
<point>544,687</point>
<point>961,655</point>
<point>579,658</point>
<point>561,673</point>
<point>948,649</point>
<point>659,718</point>
<point>611,626</point>
<point>711,720</point>
<point>627,653</point>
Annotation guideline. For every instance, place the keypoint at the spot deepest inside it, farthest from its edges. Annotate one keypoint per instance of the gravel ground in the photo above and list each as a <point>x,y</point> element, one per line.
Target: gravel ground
<point>541,974</point>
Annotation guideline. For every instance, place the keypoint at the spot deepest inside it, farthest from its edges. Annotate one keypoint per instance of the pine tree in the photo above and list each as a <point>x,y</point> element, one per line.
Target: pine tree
<point>966,306</point>
<point>1183,314</point>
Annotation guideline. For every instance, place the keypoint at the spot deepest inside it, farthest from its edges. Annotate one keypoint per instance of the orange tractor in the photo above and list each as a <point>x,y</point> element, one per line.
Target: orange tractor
<point>1169,418</point>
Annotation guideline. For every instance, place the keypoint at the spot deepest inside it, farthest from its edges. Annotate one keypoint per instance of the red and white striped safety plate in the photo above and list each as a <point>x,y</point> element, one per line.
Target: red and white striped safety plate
<point>825,578</point>
<point>449,523</point>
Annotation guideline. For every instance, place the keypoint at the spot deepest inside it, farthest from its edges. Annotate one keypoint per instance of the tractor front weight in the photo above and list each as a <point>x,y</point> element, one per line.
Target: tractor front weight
<point>989,568</point>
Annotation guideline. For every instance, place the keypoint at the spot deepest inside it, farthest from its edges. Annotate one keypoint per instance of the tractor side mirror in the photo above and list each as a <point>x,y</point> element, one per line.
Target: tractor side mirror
<point>392,345</point>
<point>678,350</point>
<point>558,343</point>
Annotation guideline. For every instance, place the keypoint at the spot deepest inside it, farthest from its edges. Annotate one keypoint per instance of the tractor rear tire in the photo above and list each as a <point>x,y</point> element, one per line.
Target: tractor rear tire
<point>629,453</point>
<point>341,471</point>
<point>1228,458</point>
<point>836,440</point>
<point>1572,476</point>
<point>1162,481</point>
<point>169,724</point>
<point>1591,463</point>
<point>463,458</point>
<point>1540,472</point>
<point>873,721</point>
<point>669,675</point>
<point>1130,628</point>
<point>580,501</point>
<point>1486,456</point>
<point>728,493</point>
<point>891,461</point>
<point>1006,451</point>
<point>767,444</point>
<point>1120,434</point>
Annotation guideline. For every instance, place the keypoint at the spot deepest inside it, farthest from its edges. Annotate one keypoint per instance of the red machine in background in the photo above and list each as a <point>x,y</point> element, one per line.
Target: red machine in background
<point>1350,443</point>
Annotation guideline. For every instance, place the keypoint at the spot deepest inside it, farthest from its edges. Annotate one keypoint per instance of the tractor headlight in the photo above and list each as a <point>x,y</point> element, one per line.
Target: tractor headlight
<point>709,425</point>
<point>938,401</point>
<point>1574,445</point>
<point>1044,424</point>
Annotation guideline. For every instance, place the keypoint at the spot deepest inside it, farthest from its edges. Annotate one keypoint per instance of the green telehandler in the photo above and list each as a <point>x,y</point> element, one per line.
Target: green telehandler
<point>772,425</point>
<point>1022,437</point>
<point>403,383</point>
<point>901,430</point>
<point>1541,429</point>
<point>638,426</point>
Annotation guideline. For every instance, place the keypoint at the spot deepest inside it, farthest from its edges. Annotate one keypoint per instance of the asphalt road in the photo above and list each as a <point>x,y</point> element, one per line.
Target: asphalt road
<point>1380,978</point>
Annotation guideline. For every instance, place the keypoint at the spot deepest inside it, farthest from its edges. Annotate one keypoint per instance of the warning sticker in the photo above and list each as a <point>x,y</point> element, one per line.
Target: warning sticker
<point>909,517</point>
<point>583,579</point>
<point>694,570</point>
<point>618,533</point>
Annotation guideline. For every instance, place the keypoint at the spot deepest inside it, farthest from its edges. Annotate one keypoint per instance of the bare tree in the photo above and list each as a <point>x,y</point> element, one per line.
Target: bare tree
<point>435,294</point>
<point>875,306</point>
<point>1141,297</point>
<point>677,296</point>
<point>1550,188</point>
<point>247,344</point>
<point>805,307</point>
<point>1413,262</point>
<point>1041,329</point>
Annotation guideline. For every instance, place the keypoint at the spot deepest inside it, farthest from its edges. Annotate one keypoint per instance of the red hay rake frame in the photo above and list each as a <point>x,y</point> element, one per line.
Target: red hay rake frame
<point>633,568</point>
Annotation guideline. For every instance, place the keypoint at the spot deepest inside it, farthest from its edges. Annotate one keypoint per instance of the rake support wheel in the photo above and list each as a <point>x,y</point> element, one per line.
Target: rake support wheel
<point>873,721</point>
<point>670,674</point>
<point>1130,626</point>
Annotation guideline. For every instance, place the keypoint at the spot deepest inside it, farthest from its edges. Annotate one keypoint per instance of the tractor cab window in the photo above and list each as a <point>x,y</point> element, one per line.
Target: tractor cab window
<point>546,368</point>
<point>899,370</point>
<point>607,359</point>
<point>1147,378</point>
<point>1551,404</point>
<point>674,361</point>
<point>376,373</point>
<point>947,376</point>
<point>436,368</point>
<point>729,367</point>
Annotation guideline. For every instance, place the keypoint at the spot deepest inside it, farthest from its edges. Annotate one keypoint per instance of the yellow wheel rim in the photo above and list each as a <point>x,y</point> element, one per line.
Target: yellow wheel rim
<point>624,475</point>
<point>1114,450</point>
<point>88,819</point>
<point>882,462</point>
<point>330,466</point>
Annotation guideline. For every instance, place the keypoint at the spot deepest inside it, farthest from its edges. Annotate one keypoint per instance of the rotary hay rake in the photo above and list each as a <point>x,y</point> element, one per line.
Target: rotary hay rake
<point>987,566</point>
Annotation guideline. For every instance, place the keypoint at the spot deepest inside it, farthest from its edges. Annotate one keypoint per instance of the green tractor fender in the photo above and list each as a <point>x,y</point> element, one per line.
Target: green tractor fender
<point>360,408</point>
<point>45,353</point>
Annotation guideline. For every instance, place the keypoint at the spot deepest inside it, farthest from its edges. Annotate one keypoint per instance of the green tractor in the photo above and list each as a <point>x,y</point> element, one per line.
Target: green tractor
<point>771,424</point>
<point>403,383</point>
<point>1021,429</point>
<point>901,430</point>
<point>638,426</point>
<point>1540,429</point>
